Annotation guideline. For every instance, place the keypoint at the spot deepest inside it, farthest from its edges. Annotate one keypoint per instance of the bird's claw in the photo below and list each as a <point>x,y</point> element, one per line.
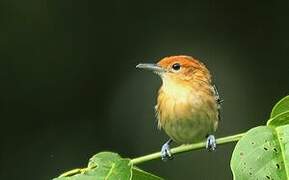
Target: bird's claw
<point>211,143</point>
<point>166,152</point>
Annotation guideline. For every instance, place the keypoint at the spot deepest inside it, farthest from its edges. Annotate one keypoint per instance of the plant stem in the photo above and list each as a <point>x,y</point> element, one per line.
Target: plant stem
<point>176,150</point>
<point>185,148</point>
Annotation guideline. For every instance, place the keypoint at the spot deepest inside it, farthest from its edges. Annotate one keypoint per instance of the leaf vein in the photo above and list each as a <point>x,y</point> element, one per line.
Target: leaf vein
<point>110,171</point>
<point>282,152</point>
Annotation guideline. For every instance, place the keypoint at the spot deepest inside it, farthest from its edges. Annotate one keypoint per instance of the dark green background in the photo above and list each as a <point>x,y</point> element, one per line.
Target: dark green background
<point>69,87</point>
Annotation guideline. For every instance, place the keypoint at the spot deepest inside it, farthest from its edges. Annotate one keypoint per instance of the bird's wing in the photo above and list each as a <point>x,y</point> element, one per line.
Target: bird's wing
<point>219,101</point>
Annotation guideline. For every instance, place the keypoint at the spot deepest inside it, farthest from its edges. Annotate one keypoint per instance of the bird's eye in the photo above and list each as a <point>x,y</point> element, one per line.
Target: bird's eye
<point>176,66</point>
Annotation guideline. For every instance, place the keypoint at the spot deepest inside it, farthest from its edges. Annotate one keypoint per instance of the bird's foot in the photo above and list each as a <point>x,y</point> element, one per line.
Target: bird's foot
<point>211,143</point>
<point>166,151</point>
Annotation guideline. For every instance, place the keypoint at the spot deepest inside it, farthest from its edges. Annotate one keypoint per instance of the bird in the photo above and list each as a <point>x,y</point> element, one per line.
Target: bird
<point>188,103</point>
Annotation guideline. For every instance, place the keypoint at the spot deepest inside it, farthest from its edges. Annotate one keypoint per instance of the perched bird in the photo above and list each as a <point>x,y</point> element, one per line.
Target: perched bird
<point>188,104</point>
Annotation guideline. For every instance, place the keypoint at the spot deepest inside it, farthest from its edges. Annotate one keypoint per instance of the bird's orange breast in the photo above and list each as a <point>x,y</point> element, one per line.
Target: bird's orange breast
<point>187,112</point>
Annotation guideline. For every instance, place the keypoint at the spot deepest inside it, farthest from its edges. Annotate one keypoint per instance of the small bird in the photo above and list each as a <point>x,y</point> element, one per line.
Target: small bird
<point>188,103</point>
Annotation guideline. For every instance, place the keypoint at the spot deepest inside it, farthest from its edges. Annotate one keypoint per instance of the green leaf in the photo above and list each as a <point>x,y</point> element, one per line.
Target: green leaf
<point>139,174</point>
<point>260,154</point>
<point>279,120</point>
<point>103,166</point>
<point>280,107</point>
<point>108,166</point>
<point>263,152</point>
<point>280,113</point>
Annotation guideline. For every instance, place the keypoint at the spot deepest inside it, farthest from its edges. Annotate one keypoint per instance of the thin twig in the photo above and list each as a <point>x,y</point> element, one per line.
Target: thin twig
<point>185,148</point>
<point>157,155</point>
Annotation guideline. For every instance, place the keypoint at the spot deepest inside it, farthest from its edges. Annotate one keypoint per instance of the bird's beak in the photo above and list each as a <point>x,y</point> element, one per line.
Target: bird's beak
<point>152,67</point>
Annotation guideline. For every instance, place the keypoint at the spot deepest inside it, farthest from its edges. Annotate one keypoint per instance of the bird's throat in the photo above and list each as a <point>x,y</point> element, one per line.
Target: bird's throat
<point>175,89</point>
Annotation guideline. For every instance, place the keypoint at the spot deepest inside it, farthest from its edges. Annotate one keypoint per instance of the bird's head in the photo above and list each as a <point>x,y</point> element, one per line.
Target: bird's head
<point>179,69</point>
